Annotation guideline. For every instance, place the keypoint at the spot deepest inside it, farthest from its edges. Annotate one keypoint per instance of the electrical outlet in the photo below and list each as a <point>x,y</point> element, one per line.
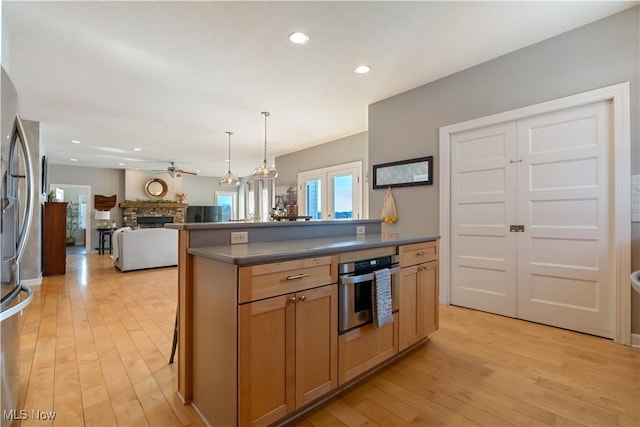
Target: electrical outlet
<point>240,237</point>
<point>359,229</point>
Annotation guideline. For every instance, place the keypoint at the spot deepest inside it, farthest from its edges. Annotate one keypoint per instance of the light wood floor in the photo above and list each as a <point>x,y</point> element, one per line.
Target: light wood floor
<point>96,343</point>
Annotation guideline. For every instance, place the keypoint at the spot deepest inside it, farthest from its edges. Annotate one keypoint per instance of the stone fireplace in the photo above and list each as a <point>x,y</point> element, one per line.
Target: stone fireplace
<point>154,221</point>
<point>163,211</point>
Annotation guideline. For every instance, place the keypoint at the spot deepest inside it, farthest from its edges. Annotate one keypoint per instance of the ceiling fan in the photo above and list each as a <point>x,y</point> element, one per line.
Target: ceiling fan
<point>175,171</point>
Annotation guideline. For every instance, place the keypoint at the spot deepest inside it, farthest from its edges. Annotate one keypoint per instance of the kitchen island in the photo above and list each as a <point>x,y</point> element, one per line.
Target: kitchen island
<point>258,321</point>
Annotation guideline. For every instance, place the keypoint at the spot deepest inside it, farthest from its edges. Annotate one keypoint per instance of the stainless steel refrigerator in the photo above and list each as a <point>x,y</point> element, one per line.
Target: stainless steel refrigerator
<point>17,211</point>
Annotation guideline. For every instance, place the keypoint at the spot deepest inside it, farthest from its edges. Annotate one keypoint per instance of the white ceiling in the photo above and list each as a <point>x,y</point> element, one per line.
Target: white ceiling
<point>172,77</point>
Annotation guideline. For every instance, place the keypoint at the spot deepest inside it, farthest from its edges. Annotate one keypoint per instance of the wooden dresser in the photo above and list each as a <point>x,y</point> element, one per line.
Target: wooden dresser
<point>54,256</point>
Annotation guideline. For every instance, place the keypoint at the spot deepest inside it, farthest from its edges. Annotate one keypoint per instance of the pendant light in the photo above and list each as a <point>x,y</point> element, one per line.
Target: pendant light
<point>229,180</point>
<point>265,170</point>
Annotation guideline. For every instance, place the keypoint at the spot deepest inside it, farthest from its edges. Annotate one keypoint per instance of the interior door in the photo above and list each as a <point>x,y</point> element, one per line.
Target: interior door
<point>565,276</point>
<point>550,176</point>
<point>483,251</point>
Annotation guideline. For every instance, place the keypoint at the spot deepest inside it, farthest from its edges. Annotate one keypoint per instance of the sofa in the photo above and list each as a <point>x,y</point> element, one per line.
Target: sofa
<point>144,248</point>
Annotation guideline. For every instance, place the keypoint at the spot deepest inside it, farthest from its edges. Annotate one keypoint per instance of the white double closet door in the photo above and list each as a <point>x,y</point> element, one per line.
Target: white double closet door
<point>551,177</point>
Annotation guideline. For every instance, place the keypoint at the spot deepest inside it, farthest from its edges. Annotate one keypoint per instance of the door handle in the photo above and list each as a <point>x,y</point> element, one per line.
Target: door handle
<point>20,306</point>
<point>516,228</point>
<point>298,276</point>
<point>347,280</point>
<point>18,133</point>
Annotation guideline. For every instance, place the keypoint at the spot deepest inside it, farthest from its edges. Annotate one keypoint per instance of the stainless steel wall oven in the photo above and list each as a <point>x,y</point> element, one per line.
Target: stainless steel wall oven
<point>355,281</point>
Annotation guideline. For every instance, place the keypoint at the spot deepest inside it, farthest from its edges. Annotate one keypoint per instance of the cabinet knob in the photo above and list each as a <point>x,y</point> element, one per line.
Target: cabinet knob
<point>421,253</point>
<point>302,298</point>
<point>292,299</point>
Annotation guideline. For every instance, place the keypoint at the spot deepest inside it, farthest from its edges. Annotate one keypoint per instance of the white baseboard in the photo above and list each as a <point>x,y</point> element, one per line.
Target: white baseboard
<point>38,281</point>
<point>204,420</point>
<point>635,340</point>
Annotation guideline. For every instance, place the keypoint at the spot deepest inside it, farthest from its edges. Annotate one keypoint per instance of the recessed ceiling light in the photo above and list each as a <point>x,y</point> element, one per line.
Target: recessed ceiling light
<point>298,37</point>
<point>75,141</point>
<point>73,160</point>
<point>362,69</point>
<point>120,164</point>
<point>137,149</point>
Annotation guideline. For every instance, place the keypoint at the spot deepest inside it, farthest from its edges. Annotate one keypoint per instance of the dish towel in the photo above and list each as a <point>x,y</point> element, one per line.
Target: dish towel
<point>381,298</point>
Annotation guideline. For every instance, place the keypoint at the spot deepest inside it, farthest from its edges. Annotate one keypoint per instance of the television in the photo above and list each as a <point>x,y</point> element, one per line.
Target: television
<point>204,214</point>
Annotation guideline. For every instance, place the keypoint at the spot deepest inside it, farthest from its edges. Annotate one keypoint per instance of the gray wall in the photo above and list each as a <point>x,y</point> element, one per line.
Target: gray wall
<point>4,44</point>
<point>201,190</point>
<point>600,54</point>
<point>105,182</point>
<point>344,150</point>
<point>129,185</point>
<point>349,149</point>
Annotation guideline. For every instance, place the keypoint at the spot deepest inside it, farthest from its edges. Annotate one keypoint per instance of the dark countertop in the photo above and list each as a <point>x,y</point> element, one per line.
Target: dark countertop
<point>284,250</point>
<point>250,224</point>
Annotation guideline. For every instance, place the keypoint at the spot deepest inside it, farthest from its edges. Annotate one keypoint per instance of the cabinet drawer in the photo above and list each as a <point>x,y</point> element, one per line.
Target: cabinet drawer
<point>362,349</point>
<point>268,280</point>
<point>418,253</point>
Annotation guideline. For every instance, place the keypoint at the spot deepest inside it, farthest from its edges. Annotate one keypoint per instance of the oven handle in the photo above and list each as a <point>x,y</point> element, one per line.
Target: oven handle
<point>365,277</point>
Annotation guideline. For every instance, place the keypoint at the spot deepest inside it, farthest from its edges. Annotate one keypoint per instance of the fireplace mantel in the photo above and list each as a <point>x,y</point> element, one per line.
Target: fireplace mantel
<point>151,204</point>
<point>131,210</point>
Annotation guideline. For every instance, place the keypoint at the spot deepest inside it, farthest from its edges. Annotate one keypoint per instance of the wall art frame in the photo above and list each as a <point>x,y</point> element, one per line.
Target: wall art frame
<point>403,173</point>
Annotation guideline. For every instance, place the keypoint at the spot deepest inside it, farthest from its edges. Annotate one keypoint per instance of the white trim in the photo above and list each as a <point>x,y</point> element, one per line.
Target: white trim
<point>90,224</point>
<point>635,340</point>
<point>323,174</point>
<point>32,282</point>
<point>619,95</point>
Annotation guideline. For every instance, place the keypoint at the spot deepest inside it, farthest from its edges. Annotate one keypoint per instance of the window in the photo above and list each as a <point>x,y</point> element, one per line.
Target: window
<point>259,199</point>
<point>331,193</point>
<point>313,199</point>
<point>251,208</point>
<point>82,211</point>
<point>227,200</point>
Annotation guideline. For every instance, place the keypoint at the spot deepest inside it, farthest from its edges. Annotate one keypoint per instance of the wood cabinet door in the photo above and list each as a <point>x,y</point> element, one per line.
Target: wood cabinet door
<point>316,343</point>
<point>410,307</point>
<point>267,360</point>
<point>363,348</point>
<point>418,303</point>
<point>54,235</point>
<point>430,295</point>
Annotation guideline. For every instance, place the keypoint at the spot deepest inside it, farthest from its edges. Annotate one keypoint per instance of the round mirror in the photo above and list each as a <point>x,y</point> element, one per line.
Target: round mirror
<point>156,188</point>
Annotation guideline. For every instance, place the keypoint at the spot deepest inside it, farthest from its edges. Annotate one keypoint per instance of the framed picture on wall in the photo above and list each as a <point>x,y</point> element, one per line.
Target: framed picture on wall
<point>404,173</point>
